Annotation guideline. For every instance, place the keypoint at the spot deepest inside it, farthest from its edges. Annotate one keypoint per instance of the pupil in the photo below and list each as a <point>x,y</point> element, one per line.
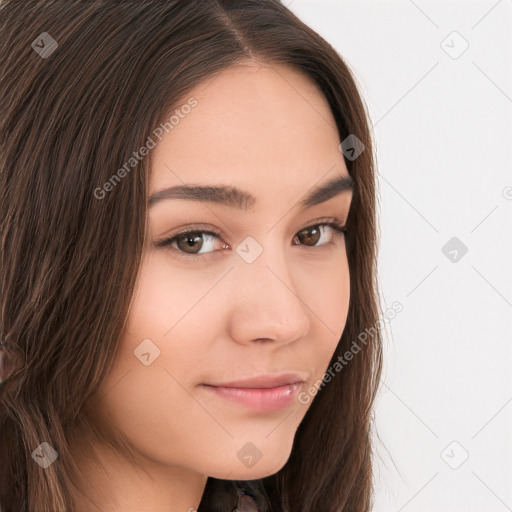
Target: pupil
<point>189,241</point>
<point>313,239</point>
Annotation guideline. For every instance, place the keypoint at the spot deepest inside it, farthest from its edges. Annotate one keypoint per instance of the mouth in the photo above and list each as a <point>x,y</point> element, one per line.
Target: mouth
<point>261,400</point>
<point>261,393</point>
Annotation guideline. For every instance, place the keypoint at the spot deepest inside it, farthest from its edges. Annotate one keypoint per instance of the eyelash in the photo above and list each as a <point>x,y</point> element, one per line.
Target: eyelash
<point>339,230</point>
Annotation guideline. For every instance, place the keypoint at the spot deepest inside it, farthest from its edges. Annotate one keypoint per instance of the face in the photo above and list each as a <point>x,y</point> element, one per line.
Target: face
<point>259,288</point>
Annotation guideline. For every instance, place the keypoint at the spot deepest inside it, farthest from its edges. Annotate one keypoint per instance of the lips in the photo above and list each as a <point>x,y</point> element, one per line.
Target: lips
<point>263,381</point>
<point>260,400</point>
<point>264,393</point>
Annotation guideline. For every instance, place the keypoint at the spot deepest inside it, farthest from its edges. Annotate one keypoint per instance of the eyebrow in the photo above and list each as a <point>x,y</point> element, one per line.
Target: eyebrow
<point>243,200</point>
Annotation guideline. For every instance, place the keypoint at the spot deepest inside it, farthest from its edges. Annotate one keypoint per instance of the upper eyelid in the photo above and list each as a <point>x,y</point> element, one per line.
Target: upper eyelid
<point>208,229</point>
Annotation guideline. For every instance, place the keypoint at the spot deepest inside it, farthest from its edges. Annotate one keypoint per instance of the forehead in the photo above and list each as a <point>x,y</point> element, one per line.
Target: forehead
<point>256,126</point>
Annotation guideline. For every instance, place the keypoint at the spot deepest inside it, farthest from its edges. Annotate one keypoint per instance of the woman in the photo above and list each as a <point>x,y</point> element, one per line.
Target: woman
<point>188,261</point>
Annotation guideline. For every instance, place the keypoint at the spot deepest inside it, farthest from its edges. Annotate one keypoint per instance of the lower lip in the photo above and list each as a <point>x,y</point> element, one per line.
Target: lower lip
<point>261,400</point>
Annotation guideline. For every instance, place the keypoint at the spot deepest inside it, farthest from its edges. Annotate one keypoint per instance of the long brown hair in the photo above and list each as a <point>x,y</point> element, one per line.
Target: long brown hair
<point>69,119</point>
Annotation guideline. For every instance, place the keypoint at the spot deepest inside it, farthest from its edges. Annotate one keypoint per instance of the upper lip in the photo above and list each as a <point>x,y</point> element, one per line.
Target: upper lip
<point>263,381</point>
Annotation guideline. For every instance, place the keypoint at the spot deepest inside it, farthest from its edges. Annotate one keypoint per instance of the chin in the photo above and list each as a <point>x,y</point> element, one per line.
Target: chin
<point>262,468</point>
<point>250,473</point>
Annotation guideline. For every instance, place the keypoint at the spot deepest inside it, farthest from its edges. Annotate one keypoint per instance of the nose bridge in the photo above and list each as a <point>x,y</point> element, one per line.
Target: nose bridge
<point>268,303</point>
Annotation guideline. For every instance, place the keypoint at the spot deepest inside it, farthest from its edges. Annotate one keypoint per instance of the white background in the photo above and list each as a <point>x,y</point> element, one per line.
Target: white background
<point>442,127</point>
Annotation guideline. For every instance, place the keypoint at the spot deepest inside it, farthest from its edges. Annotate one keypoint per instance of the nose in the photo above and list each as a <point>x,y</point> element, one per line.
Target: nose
<point>267,304</point>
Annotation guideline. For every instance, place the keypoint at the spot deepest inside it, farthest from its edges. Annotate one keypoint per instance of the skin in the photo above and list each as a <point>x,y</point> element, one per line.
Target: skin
<point>268,130</point>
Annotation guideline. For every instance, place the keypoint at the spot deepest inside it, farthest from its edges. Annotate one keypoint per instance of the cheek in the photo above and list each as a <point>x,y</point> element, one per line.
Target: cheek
<point>160,296</point>
<point>149,345</point>
<point>325,290</point>
<point>139,398</point>
<point>165,310</point>
<point>327,298</point>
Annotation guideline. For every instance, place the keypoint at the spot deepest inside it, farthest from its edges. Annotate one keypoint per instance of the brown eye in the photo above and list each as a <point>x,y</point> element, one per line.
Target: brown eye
<point>309,236</point>
<point>189,242</point>
<point>193,243</point>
